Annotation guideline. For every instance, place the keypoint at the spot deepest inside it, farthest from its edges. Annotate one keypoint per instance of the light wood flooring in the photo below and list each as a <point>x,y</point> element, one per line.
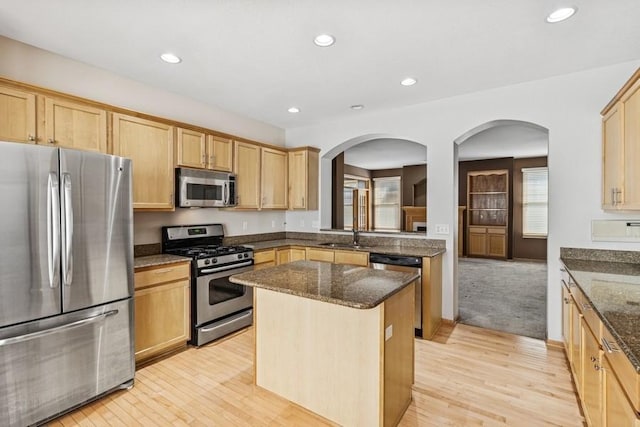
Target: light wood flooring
<point>466,376</point>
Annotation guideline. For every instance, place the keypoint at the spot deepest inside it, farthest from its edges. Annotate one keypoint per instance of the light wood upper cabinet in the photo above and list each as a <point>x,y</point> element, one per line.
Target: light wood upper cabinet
<point>149,145</point>
<point>621,148</point>
<point>303,179</point>
<point>273,183</point>
<point>246,166</point>
<point>17,116</point>
<point>220,153</point>
<point>191,148</point>
<point>74,125</point>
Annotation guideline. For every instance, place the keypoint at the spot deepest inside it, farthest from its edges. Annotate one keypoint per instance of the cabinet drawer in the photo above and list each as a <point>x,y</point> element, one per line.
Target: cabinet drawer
<point>622,367</point>
<point>496,230</point>
<point>351,257</point>
<point>264,256</point>
<point>482,230</point>
<point>161,274</point>
<point>320,255</point>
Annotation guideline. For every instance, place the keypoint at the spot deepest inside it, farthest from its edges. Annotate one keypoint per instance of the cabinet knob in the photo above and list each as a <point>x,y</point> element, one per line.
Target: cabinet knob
<point>31,138</point>
<point>51,141</point>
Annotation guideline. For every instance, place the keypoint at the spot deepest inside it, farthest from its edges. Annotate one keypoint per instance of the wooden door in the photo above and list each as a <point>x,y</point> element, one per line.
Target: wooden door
<point>298,179</point>
<point>246,165</point>
<point>162,318</point>
<point>191,148</point>
<point>631,111</point>
<point>612,156</point>
<point>566,320</point>
<point>477,241</point>
<point>74,125</point>
<point>274,181</point>
<point>591,379</point>
<point>220,153</point>
<point>617,410</point>
<point>17,116</point>
<point>149,145</point>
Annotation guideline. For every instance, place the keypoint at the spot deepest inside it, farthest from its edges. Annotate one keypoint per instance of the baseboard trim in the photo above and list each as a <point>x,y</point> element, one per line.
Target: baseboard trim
<point>555,344</point>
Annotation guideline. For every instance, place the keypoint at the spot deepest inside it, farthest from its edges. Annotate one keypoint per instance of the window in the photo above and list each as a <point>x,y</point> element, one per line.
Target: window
<point>535,200</point>
<point>386,208</point>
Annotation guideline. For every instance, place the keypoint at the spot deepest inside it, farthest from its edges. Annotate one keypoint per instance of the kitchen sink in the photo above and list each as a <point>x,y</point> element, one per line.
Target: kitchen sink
<point>342,245</point>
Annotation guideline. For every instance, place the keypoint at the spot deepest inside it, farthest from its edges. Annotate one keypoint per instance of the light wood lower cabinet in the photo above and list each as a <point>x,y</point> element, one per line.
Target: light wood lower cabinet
<point>487,242</point>
<point>618,411</point>
<point>264,258</point>
<point>162,320</point>
<point>315,254</point>
<point>285,255</point>
<point>592,378</point>
<point>351,257</point>
<point>431,295</point>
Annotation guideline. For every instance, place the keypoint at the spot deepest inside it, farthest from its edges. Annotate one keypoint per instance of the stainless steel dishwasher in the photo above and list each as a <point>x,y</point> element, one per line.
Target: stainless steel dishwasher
<point>407,264</point>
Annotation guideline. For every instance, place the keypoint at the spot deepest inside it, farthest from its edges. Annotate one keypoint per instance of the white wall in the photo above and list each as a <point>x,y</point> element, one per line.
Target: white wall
<point>567,105</point>
<point>35,66</point>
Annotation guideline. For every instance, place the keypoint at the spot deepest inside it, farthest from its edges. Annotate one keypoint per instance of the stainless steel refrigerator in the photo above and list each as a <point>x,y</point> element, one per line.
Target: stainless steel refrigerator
<point>66,280</point>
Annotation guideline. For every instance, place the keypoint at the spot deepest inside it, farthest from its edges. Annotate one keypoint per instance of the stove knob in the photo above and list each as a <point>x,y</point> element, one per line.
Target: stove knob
<point>239,256</point>
<point>207,262</point>
<point>246,255</point>
<point>214,261</point>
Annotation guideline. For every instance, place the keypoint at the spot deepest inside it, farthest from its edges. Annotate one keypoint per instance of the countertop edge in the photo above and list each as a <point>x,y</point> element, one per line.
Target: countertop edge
<point>156,260</point>
<point>423,252</point>
<point>633,359</point>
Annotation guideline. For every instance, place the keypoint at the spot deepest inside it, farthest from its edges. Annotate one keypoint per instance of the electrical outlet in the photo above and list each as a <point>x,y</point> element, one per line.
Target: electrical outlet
<point>244,225</point>
<point>442,228</point>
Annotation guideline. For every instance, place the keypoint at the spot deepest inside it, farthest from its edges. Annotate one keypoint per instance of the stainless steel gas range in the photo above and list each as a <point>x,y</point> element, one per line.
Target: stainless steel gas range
<point>218,307</point>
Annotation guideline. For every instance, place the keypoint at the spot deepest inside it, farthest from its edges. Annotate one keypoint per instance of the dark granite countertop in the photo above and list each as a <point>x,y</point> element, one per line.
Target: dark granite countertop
<point>386,249</point>
<point>159,259</point>
<point>613,289</point>
<point>356,287</point>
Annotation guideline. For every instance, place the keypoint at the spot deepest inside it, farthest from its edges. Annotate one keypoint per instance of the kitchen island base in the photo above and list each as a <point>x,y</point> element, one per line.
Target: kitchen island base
<point>351,366</point>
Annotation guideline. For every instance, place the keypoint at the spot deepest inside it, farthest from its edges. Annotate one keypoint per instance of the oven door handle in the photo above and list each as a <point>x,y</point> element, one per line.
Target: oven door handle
<point>229,267</point>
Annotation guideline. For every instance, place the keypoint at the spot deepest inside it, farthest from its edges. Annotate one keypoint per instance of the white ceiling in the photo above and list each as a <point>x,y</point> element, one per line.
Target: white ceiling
<point>256,57</point>
<point>385,154</point>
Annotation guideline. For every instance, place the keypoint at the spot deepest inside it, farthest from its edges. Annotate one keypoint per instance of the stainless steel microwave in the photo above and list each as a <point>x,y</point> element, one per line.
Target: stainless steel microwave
<point>204,188</point>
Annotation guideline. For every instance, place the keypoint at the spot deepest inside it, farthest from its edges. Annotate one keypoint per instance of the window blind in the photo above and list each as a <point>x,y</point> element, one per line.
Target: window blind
<point>386,207</point>
<point>535,200</point>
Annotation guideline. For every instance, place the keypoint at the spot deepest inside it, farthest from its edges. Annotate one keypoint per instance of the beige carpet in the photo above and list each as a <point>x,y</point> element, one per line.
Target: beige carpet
<point>508,296</point>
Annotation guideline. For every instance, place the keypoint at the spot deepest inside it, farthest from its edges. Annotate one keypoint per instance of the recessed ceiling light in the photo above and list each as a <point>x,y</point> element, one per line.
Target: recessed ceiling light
<point>170,58</point>
<point>561,14</point>
<point>357,107</point>
<point>409,81</point>
<point>294,110</point>
<point>324,40</point>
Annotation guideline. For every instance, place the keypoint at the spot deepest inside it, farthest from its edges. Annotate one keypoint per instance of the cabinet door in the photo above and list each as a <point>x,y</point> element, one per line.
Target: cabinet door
<point>631,111</point>
<point>496,243</point>
<point>162,318</point>
<point>477,242</point>
<point>297,254</point>
<point>283,256</point>
<point>592,379</point>
<point>303,179</point>
<point>576,346</point>
<point>149,145</point>
<point>191,148</point>
<point>220,153</point>
<point>73,125</point>
<point>274,182</point>
<point>617,410</point>
<point>566,320</point>
<point>247,168</point>
<point>17,116</point>
<point>612,156</point>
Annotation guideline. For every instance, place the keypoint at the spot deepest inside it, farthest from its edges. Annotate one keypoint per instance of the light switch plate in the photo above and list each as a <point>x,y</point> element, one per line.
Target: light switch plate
<point>388,332</point>
<point>442,228</point>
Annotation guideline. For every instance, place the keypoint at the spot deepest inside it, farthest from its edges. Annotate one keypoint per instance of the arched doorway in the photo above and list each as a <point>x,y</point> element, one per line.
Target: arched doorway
<point>502,174</point>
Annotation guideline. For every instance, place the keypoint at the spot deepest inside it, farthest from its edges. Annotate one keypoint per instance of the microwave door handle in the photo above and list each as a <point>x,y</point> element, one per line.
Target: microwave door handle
<point>53,228</point>
<point>225,194</point>
<point>67,254</point>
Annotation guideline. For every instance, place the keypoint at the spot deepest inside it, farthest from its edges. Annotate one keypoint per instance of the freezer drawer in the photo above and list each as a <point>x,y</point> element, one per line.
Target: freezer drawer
<point>52,365</point>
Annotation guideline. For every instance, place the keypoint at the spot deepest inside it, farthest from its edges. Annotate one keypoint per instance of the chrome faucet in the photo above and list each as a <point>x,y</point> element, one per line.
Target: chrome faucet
<point>356,237</point>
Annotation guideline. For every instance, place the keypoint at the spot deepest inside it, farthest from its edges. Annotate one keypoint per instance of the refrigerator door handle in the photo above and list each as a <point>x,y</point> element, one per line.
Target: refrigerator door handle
<point>75,324</point>
<point>53,229</point>
<point>67,236</point>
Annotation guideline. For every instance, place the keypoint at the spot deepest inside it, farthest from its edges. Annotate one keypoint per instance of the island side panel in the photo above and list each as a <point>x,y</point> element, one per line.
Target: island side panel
<point>399,354</point>
<point>324,357</point>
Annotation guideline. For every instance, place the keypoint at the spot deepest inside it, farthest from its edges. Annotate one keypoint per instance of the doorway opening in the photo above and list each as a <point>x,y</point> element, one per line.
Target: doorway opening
<point>502,227</point>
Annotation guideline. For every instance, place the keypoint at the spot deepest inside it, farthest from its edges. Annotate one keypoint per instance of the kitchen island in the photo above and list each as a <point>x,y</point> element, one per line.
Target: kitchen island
<point>335,339</point>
